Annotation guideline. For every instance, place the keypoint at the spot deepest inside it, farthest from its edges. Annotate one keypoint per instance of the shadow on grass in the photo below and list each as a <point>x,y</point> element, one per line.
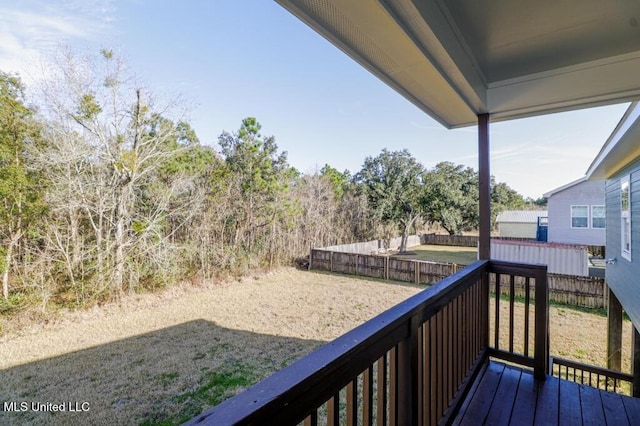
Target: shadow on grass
<point>163,377</point>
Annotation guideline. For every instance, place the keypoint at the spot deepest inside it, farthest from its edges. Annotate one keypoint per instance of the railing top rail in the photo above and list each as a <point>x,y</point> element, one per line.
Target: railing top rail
<point>326,370</point>
<point>516,268</point>
<point>592,368</point>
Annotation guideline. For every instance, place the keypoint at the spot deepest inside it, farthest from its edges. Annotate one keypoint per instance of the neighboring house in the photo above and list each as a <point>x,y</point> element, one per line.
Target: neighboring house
<point>619,163</point>
<point>577,213</point>
<point>519,223</point>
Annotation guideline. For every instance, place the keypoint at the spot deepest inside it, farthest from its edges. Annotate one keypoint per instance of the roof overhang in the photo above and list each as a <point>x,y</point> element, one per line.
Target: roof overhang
<point>563,187</point>
<point>456,59</point>
<point>621,148</point>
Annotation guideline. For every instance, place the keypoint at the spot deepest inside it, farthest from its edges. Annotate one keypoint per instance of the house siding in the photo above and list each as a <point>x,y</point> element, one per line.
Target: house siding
<point>587,193</point>
<point>623,277</point>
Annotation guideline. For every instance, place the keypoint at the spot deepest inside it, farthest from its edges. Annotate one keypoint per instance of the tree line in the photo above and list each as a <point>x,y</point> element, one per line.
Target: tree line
<point>106,190</point>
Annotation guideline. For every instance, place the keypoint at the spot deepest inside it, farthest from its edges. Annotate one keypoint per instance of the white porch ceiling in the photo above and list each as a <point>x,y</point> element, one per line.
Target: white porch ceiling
<point>456,59</point>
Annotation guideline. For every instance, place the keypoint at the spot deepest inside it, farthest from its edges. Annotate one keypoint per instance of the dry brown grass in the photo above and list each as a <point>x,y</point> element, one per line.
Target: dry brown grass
<point>157,358</point>
<point>150,359</point>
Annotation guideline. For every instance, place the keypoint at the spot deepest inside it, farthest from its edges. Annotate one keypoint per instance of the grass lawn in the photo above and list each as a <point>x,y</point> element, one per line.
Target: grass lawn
<point>451,254</point>
<point>160,359</point>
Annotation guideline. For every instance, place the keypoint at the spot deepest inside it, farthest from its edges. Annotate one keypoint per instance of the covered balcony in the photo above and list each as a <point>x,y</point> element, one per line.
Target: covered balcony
<point>456,353</point>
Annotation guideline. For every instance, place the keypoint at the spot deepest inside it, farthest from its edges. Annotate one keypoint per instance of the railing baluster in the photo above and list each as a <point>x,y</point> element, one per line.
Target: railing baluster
<point>427,375</point>
<point>497,315</point>
<point>421,373</point>
<point>457,347</point>
<point>352,403</point>
<point>382,394</point>
<point>333,410</point>
<point>512,295</point>
<point>527,302</point>
<point>367,397</point>
<point>393,387</point>
<point>455,353</point>
<point>468,330</point>
<point>445,355</point>
<point>434,370</point>
<point>312,419</point>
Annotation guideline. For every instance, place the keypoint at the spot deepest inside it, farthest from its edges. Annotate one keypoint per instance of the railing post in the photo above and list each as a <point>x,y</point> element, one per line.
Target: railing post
<point>407,398</point>
<point>541,361</point>
<point>486,295</point>
<point>635,342</point>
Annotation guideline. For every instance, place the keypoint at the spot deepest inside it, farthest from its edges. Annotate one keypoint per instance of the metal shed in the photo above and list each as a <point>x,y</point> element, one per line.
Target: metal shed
<point>519,223</point>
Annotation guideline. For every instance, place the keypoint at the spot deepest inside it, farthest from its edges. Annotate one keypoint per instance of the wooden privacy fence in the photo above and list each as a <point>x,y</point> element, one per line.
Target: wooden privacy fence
<point>450,240</point>
<point>572,290</point>
<point>375,246</point>
<point>385,267</point>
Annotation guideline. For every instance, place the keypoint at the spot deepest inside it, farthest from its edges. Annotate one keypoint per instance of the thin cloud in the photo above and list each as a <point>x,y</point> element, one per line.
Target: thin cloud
<point>31,29</point>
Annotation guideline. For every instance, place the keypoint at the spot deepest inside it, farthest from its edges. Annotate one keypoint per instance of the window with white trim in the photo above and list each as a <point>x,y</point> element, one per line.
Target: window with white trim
<point>598,220</point>
<point>579,216</point>
<point>625,216</point>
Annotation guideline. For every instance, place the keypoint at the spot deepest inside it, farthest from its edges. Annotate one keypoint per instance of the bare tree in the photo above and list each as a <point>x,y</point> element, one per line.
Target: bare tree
<point>106,145</point>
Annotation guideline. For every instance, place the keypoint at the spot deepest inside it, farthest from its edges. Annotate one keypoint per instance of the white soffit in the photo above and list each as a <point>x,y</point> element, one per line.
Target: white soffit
<point>621,148</point>
<point>455,59</point>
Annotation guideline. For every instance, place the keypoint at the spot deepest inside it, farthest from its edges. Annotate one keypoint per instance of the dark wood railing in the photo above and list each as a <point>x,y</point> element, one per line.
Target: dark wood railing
<point>597,377</point>
<point>532,348</point>
<point>411,365</point>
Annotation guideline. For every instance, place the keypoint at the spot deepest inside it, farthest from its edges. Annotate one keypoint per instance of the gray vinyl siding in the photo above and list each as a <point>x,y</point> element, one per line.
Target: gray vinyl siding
<point>624,276</point>
<point>587,193</point>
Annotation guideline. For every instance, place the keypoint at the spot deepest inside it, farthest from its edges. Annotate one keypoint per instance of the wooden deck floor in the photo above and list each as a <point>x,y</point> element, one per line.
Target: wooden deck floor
<point>505,395</point>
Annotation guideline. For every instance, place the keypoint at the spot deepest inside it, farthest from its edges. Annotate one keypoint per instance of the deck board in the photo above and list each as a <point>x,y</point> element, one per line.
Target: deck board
<point>547,405</point>
<point>592,411</point>
<point>614,411</point>
<point>524,412</point>
<point>500,411</point>
<point>483,396</point>
<point>632,409</point>
<point>570,411</point>
<point>507,395</point>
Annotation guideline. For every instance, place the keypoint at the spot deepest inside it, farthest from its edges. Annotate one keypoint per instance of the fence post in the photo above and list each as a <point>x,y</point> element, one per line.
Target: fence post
<point>310,257</point>
<point>541,358</point>
<point>331,261</point>
<point>357,257</point>
<point>386,267</point>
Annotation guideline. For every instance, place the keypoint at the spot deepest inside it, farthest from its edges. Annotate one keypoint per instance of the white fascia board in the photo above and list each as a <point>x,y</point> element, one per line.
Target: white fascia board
<point>618,146</point>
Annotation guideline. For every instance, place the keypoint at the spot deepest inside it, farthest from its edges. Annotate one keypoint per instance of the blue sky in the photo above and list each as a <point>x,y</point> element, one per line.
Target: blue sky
<point>230,59</point>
